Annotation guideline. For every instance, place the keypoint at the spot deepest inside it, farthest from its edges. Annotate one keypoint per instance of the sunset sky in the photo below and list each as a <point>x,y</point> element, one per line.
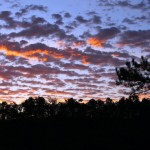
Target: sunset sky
<point>69,48</point>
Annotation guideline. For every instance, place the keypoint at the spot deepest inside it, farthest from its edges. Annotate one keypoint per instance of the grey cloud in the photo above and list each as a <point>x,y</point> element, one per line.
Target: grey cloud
<point>38,31</point>
<point>80,19</point>
<point>28,8</point>
<point>143,5</point>
<point>129,21</point>
<point>58,18</point>
<point>96,19</point>
<point>140,38</point>
<point>67,15</point>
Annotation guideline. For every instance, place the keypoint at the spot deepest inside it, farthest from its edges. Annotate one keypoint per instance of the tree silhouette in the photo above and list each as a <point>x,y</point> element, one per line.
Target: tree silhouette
<point>135,75</point>
<point>35,108</point>
<point>3,110</point>
<point>38,108</point>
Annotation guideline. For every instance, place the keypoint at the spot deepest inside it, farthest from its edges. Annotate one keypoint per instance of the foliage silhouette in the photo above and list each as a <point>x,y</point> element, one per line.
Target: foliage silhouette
<point>135,75</point>
<point>39,108</point>
<point>38,124</point>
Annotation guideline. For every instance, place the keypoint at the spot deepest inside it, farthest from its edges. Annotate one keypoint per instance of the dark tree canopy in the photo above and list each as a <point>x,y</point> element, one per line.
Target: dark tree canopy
<point>135,75</point>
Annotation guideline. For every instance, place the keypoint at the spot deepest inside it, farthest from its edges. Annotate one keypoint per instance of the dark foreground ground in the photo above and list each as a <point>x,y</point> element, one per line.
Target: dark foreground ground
<point>75,134</point>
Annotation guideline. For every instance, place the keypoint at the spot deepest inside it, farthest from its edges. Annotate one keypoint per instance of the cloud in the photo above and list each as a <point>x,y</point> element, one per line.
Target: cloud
<point>107,33</point>
<point>132,38</point>
<point>12,23</point>
<point>100,58</point>
<point>102,36</point>
<point>67,15</point>
<point>29,8</point>
<point>7,73</point>
<point>121,55</point>
<point>129,21</point>
<point>59,93</point>
<point>5,15</point>
<point>96,19</point>
<point>27,54</point>
<point>38,51</point>
<point>38,31</point>
<point>37,20</point>
<point>141,5</point>
<point>95,42</point>
<point>80,19</point>
<point>69,28</point>
<point>74,66</point>
<point>42,52</point>
<point>38,28</point>
<point>58,18</point>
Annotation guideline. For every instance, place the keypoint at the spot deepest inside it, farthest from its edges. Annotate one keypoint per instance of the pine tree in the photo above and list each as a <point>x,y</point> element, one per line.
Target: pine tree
<point>135,75</point>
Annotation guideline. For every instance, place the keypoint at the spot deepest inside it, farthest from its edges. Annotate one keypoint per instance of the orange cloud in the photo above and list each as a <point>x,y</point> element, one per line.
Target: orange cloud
<point>84,60</point>
<point>95,42</point>
<point>57,55</point>
<point>31,54</point>
<point>78,44</point>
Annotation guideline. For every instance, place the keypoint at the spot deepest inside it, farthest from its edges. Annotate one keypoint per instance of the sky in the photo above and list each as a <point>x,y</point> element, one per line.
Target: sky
<point>69,48</point>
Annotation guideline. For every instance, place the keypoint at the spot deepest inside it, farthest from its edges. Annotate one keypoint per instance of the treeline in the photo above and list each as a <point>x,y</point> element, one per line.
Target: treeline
<point>39,108</point>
